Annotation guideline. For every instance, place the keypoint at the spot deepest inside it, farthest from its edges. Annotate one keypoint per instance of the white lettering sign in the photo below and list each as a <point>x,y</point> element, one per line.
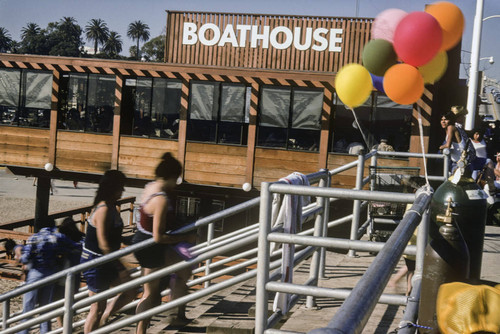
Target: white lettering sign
<point>280,37</point>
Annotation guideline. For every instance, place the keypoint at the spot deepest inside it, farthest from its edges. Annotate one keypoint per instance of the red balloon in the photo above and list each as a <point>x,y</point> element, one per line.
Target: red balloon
<point>417,38</point>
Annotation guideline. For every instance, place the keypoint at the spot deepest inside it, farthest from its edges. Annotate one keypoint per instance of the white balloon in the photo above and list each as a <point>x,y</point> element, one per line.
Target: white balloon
<point>247,186</point>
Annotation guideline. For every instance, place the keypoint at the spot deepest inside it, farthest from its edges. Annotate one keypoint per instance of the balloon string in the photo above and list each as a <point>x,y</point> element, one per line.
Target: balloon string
<point>359,128</point>
<point>421,130</point>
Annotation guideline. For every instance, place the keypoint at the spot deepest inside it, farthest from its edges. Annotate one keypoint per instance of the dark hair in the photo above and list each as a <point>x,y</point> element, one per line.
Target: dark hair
<point>169,167</point>
<point>110,182</point>
<point>69,229</point>
<point>450,116</point>
<point>9,246</point>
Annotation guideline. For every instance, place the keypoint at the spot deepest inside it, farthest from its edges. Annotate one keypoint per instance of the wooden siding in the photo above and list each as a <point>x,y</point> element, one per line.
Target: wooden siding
<point>139,157</point>
<point>272,164</point>
<point>215,164</point>
<point>24,146</point>
<point>355,34</point>
<point>83,152</point>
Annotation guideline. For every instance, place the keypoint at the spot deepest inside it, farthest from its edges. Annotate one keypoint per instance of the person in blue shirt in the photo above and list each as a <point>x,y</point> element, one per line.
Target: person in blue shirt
<point>44,255</point>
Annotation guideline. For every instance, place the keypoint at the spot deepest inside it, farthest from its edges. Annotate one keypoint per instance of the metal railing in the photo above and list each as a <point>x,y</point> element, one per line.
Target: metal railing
<point>259,235</point>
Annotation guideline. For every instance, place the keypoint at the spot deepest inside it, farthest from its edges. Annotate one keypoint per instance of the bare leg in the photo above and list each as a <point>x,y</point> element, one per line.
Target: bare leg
<point>401,272</point>
<point>96,309</point>
<point>120,300</point>
<point>408,282</point>
<point>150,298</point>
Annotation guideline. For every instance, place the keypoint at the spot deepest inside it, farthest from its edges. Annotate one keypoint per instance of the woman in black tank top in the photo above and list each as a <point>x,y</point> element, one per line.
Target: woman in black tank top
<point>103,236</point>
<point>156,218</point>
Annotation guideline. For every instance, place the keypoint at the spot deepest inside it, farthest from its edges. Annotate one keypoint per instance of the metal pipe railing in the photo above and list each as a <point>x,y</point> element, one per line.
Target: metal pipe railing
<point>354,312</point>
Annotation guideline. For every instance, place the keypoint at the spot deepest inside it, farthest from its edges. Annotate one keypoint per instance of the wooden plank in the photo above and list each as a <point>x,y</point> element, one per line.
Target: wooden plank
<point>215,168</point>
<point>85,137</point>
<point>24,141</point>
<point>213,178</point>
<point>158,144</point>
<point>24,132</point>
<point>262,153</point>
<point>217,149</point>
<point>23,159</point>
<point>222,160</point>
<point>85,147</point>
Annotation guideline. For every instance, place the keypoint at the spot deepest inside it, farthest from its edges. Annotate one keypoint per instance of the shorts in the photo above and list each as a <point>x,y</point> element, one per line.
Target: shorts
<point>151,257</point>
<point>100,278</point>
<point>410,264</point>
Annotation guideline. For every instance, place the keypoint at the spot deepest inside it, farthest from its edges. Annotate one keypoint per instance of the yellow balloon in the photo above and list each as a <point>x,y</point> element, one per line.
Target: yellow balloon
<point>353,84</point>
<point>435,69</point>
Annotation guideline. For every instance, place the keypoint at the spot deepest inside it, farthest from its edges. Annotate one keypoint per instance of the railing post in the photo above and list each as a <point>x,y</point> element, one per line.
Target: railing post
<point>356,207</point>
<point>210,236</point>
<point>263,259</point>
<point>324,232</point>
<point>69,299</point>
<point>446,163</point>
<point>131,216</point>
<point>5,314</point>
<point>318,232</point>
<point>373,164</point>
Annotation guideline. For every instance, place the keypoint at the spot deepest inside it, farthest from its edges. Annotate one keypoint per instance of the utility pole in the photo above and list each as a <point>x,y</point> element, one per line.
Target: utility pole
<point>473,74</point>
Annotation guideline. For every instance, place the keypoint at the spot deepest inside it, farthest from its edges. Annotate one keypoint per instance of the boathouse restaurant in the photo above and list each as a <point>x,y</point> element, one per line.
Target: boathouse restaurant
<point>240,98</point>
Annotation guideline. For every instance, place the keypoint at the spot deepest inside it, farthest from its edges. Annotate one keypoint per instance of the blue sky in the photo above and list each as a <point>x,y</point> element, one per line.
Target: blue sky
<point>118,14</point>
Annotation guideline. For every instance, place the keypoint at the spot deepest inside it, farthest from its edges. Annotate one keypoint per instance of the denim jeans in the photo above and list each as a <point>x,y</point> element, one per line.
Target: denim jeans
<point>41,296</point>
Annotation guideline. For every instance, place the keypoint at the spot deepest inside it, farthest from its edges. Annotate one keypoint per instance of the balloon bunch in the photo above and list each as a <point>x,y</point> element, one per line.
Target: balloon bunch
<point>408,50</point>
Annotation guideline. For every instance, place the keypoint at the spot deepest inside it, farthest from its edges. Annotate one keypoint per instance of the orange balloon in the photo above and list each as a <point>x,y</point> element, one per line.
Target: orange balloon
<point>403,84</point>
<point>451,19</point>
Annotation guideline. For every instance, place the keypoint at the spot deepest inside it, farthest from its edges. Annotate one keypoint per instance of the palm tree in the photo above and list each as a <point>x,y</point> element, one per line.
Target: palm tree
<point>113,46</point>
<point>96,30</point>
<point>31,30</point>
<point>138,31</point>
<point>5,40</point>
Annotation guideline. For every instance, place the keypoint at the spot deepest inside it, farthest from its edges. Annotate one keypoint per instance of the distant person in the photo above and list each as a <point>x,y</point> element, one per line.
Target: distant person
<point>69,229</point>
<point>14,252</point>
<point>104,235</point>
<point>157,217</point>
<point>481,163</point>
<point>456,139</point>
<point>44,254</point>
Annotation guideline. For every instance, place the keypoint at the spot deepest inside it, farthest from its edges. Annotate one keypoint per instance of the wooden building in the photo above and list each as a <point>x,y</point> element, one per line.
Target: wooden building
<point>241,98</point>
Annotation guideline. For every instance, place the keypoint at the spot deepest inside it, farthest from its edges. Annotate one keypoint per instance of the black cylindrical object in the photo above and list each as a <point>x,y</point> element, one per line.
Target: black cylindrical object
<point>469,212</point>
<point>446,260</point>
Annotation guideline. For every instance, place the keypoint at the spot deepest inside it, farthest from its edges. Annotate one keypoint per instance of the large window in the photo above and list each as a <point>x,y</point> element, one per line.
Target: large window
<point>378,118</point>
<point>25,97</point>
<point>87,102</point>
<point>290,118</point>
<point>218,112</point>
<point>156,106</point>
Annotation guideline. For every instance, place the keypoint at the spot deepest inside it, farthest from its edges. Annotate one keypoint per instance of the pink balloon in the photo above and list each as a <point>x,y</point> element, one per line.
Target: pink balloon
<point>386,22</point>
<point>417,38</point>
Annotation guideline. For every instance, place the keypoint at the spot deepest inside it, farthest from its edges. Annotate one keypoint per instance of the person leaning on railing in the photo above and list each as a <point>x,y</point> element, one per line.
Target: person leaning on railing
<point>156,217</point>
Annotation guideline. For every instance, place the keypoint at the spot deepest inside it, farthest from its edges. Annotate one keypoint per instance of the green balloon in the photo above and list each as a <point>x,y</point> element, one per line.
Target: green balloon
<point>378,56</point>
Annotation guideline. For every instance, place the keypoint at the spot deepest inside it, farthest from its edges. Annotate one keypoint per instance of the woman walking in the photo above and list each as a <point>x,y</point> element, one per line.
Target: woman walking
<point>104,235</point>
<point>157,217</point>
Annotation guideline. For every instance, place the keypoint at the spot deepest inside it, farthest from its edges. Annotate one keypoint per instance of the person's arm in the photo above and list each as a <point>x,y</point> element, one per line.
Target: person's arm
<point>160,208</point>
<point>99,221</point>
<point>450,132</point>
<point>497,171</point>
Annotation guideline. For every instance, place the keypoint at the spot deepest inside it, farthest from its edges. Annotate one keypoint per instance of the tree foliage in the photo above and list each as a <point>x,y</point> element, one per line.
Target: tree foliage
<point>5,40</point>
<point>113,45</point>
<point>154,49</point>
<point>64,38</point>
<point>33,40</point>
<point>138,31</point>
<point>97,30</point>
